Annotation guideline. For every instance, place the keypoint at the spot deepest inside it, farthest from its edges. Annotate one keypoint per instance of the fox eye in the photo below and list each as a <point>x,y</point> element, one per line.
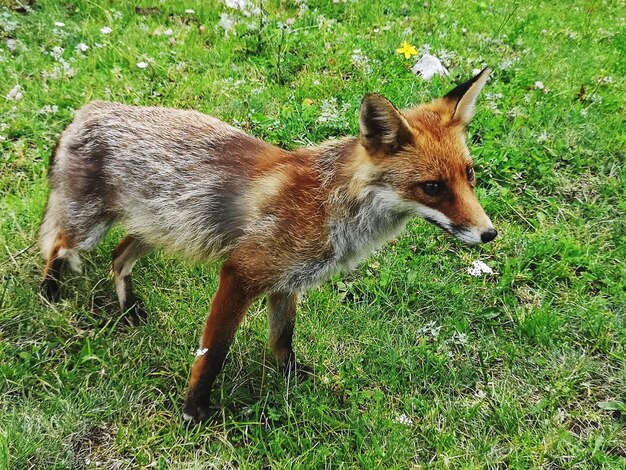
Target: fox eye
<point>470,174</point>
<point>433,188</point>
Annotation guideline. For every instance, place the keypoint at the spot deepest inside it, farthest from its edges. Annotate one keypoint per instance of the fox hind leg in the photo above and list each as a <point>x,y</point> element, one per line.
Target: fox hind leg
<point>125,255</point>
<point>281,309</point>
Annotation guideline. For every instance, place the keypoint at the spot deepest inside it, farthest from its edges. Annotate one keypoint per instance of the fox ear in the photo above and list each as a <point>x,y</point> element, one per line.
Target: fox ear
<point>382,126</point>
<point>463,97</point>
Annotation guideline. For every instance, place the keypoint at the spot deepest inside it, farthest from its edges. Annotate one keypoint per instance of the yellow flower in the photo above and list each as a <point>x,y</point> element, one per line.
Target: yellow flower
<point>307,102</point>
<point>407,50</point>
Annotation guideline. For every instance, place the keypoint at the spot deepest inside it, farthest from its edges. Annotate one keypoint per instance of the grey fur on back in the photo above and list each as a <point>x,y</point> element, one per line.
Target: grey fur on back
<point>156,171</point>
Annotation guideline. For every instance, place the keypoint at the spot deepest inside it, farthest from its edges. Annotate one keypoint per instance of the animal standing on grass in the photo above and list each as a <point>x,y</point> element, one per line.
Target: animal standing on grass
<point>282,221</point>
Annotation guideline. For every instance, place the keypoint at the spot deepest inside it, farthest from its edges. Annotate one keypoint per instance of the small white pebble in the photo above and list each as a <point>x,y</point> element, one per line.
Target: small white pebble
<point>142,65</point>
<point>106,30</point>
<point>429,66</point>
<point>189,11</point>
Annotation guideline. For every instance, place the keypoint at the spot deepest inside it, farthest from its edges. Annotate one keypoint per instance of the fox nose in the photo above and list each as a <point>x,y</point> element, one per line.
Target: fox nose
<point>488,235</point>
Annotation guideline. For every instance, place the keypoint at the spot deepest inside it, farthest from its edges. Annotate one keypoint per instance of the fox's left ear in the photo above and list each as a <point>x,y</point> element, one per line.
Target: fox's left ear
<point>463,97</point>
<point>382,126</point>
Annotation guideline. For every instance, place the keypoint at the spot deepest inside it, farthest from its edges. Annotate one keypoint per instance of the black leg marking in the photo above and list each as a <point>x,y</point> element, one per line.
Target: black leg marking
<point>282,319</point>
<point>292,368</point>
<point>50,286</point>
<point>133,308</point>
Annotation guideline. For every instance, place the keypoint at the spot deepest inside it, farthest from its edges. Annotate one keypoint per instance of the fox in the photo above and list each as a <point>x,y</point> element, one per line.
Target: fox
<point>280,221</point>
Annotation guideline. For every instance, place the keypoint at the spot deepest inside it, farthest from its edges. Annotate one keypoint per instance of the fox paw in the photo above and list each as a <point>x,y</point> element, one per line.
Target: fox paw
<point>50,289</point>
<point>293,368</point>
<point>134,312</point>
<point>195,412</point>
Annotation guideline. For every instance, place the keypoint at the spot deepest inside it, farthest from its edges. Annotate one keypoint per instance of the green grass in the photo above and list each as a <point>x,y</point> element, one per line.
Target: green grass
<point>419,364</point>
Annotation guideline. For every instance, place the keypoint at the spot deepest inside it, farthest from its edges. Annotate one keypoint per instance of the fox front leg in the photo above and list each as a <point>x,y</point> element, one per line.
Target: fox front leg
<point>228,308</point>
<point>281,308</point>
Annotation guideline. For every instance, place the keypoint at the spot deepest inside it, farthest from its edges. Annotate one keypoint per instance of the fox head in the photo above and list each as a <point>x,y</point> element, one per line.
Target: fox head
<point>422,155</point>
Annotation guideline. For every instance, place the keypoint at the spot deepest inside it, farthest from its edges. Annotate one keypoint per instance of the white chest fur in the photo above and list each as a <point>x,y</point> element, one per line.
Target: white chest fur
<point>375,218</point>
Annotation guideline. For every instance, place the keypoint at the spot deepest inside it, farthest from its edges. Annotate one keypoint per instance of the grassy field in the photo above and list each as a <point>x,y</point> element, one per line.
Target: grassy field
<point>419,364</point>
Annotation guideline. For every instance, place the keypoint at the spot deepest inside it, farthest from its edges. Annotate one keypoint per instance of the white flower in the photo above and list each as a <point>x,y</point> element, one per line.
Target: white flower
<point>361,61</point>
<point>506,64</point>
<point>429,66</point>
<point>478,268</point>
<point>493,96</point>
<point>82,47</point>
<point>67,69</point>
<point>316,82</point>
<point>11,44</point>
<point>302,8</point>
<point>542,137</point>
<point>60,24</point>
<point>460,339</point>
<point>539,85</point>
<point>142,65</point>
<point>15,94</point>
<point>227,22</point>
<point>106,30</point>
<point>332,114</point>
<point>9,25</point>
<point>57,52</point>
<point>457,339</point>
<point>404,419</point>
<point>49,109</point>
<point>244,6</point>
<point>430,329</point>
<point>480,394</point>
<point>201,352</point>
<point>189,11</point>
